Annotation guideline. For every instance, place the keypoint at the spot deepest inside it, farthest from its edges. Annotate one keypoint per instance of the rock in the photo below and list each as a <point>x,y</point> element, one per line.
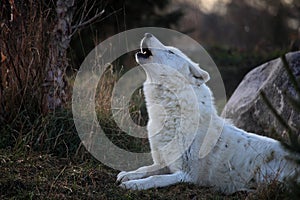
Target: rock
<point>247,110</point>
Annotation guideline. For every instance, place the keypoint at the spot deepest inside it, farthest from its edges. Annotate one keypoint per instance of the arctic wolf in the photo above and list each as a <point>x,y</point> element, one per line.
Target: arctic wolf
<point>183,120</point>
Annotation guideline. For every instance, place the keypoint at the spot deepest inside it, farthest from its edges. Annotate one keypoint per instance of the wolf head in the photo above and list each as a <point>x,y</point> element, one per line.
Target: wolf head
<point>155,57</point>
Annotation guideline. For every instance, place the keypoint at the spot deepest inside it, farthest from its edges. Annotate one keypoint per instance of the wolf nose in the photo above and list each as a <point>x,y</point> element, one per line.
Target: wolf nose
<point>148,35</point>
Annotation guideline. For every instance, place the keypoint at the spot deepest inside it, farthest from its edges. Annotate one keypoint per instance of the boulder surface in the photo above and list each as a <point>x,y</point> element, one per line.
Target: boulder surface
<point>247,110</point>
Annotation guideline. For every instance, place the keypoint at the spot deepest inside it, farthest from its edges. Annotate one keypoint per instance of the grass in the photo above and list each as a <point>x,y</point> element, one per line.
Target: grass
<point>36,175</point>
<point>44,176</point>
<point>49,162</point>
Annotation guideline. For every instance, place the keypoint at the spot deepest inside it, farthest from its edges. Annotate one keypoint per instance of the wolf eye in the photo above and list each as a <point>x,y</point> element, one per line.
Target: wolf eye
<point>171,52</point>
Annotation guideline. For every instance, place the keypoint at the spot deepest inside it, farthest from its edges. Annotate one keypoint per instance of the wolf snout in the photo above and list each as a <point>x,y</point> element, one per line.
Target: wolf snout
<point>148,35</point>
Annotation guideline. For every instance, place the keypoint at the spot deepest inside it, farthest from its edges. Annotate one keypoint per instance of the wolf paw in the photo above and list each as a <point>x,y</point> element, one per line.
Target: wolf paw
<point>127,176</point>
<point>122,177</point>
<point>132,185</point>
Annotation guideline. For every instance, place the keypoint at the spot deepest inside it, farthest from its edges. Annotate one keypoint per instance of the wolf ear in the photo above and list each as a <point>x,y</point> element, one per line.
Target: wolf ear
<point>200,75</point>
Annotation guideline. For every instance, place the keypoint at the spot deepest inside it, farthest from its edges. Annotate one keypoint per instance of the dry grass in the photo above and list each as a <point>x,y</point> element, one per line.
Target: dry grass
<point>272,191</point>
<point>107,121</point>
<point>42,176</point>
<point>23,43</point>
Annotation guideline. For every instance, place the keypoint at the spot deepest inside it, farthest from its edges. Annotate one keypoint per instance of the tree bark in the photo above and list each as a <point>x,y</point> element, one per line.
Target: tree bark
<point>55,84</point>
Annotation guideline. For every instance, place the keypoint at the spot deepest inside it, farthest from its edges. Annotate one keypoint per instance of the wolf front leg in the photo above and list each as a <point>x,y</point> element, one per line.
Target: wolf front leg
<point>156,181</point>
<point>142,172</point>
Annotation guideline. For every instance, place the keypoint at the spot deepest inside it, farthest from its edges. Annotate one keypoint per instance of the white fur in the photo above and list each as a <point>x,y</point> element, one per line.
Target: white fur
<point>181,113</point>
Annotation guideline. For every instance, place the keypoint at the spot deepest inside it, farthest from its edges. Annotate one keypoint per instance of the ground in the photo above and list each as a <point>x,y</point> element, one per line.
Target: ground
<point>43,176</point>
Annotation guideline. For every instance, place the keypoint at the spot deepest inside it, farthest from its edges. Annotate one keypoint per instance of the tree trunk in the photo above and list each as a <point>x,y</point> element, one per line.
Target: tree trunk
<point>55,85</point>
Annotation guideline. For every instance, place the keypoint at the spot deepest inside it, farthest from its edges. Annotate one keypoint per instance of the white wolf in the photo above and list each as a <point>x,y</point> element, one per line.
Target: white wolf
<point>181,114</point>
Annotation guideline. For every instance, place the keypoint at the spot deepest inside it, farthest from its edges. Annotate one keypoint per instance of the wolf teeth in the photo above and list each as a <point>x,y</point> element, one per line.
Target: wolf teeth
<point>146,51</point>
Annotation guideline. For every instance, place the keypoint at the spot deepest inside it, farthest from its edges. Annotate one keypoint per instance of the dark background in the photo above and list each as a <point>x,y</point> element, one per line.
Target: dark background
<point>238,34</point>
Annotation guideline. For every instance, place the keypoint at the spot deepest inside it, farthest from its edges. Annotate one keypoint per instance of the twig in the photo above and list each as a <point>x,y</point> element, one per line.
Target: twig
<point>76,27</point>
<point>87,22</point>
<point>56,178</point>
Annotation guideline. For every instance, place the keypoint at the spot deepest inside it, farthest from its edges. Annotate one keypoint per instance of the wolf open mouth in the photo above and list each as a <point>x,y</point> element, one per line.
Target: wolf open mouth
<point>144,53</point>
